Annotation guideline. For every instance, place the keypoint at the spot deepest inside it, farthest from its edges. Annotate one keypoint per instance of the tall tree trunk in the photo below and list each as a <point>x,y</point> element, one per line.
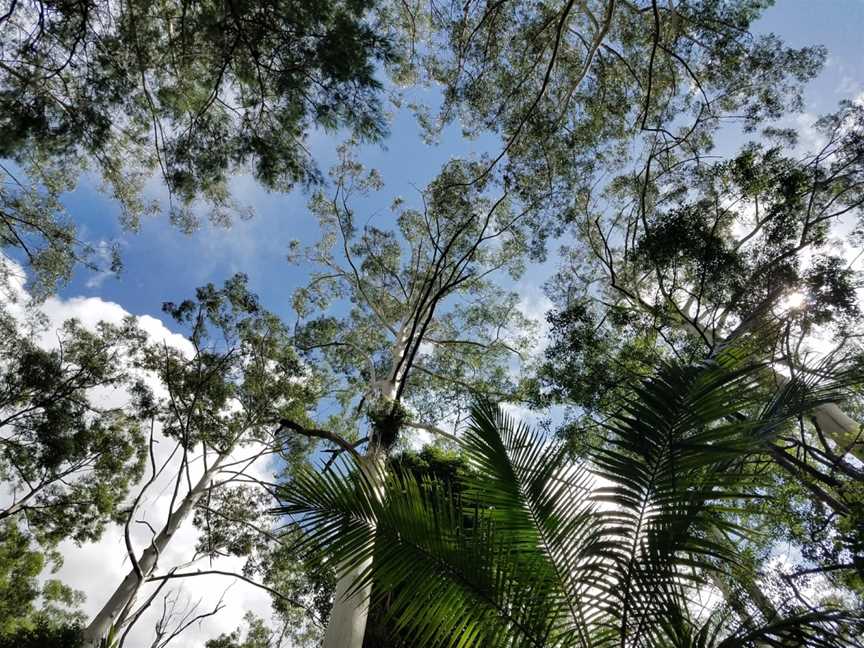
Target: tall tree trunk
<point>348,618</point>
<point>841,429</point>
<point>835,424</point>
<point>347,625</point>
<point>121,600</point>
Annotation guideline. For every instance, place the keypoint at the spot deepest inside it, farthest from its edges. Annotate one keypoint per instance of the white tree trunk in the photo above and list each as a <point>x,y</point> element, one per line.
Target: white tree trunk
<point>348,618</point>
<point>836,426</point>
<point>123,596</point>
<point>845,432</point>
<point>347,625</point>
<point>349,615</point>
<point>841,429</point>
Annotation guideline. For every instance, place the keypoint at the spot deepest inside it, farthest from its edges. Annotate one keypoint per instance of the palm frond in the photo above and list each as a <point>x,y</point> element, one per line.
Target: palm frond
<point>817,628</point>
<point>536,550</point>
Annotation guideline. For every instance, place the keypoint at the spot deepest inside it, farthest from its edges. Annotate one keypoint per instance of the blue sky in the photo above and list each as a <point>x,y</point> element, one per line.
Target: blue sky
<point>163,264</point>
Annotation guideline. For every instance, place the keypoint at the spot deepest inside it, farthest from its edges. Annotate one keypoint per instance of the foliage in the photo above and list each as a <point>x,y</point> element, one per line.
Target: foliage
<point>569,554</point>
<point>677,256</point>
<point>197,92</point>
<point>45,636</point>
<point>674,261</point>
<point>170,81</point>
<point>67,462</point>
<point>26,605</point>
<point>606,112</point>
<point>241,379</point>
<point>569,85</point>
<point>34,223</point>
<point>432,468</point>
<point>217,401</point>
<point>257,635</point>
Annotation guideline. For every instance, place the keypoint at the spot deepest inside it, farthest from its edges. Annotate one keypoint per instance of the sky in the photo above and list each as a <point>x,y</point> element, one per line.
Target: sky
<point>163,264</point>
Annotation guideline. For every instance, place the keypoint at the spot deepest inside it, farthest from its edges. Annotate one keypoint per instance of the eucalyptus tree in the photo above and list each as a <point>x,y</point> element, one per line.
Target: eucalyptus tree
<point>408,321</point>
<point>614,549</point>
<point>66,462</point>
<point>218,404</point>
<point>682,256</point>
<point>569,86</point>
<point>195,92</point>
<point>675,257</point>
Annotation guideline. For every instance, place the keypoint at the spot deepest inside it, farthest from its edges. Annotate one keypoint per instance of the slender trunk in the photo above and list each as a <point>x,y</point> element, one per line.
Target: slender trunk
<point>348,618</point>
<point>347,625</point>
<point>118,605</point>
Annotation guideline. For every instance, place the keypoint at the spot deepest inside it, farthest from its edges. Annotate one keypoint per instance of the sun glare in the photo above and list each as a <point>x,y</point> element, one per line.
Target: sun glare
<point>793,301</point>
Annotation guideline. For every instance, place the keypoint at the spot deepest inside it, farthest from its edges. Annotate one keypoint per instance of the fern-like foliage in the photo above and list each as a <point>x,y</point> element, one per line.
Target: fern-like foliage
<point>540,550</point>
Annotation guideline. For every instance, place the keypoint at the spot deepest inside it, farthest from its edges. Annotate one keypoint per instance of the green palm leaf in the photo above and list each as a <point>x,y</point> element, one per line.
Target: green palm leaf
<point>537,550</point>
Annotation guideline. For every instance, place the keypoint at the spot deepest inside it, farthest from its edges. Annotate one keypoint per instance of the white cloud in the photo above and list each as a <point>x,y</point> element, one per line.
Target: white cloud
<point>810,140</point>
<point>97,568</point>
<point>534,305</point>
<point>12,281</point>
<point>104,255</point>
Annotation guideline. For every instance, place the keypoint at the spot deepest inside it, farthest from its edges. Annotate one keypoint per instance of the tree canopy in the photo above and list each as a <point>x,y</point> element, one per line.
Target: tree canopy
<point>633,233</point>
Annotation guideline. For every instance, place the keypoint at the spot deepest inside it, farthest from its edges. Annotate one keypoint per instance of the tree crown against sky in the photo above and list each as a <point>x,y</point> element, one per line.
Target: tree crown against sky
<point>670,263</point>
<point>192,92</point>
<point>689,253</point>
<point>426,320</point>
<point>129,92</point>
<point>601,117</point>
<point>219,403</point>
<point>570,86</point>
<point>195,89</point>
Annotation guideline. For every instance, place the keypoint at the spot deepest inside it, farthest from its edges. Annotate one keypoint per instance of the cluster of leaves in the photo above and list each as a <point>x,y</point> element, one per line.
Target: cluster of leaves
<point>202,88</point>
<point>67,462</point>
<point>241,378</point>
<point>196,91</point>
<point>30,609</point>
<point>534,550</point>
<point>685,256</point>
<point>256,635</point>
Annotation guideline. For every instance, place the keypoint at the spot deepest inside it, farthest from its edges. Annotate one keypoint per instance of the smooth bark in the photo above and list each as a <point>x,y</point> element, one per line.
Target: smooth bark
<point>118,605</point>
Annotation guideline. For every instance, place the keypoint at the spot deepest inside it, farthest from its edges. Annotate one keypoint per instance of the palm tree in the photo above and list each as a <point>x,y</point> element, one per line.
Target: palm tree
<point>537,549</point>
